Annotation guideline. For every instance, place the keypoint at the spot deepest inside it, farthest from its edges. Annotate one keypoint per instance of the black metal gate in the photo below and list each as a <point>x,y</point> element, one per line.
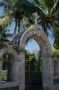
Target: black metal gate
<point>33,81</point>
<point>33,76</point>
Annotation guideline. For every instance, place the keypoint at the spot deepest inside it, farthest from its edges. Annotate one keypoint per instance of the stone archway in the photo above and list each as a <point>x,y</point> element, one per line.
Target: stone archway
<point>13,73</point>
<point>38,34</point>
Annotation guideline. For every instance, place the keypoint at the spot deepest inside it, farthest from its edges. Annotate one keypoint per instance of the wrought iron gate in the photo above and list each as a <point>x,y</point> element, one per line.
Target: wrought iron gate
<point>33,75</point>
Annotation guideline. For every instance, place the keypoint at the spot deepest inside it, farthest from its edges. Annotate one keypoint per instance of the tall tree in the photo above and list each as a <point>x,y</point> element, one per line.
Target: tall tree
<point>48,13</point>
<point>17,9</point>
<point>3,36</point>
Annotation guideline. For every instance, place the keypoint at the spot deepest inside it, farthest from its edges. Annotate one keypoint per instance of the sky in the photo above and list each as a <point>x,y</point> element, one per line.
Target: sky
<point>32,44</point>
<point>1,11</point>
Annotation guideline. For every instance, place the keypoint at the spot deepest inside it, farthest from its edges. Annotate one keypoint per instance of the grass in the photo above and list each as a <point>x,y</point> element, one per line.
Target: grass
<point>4,75</point>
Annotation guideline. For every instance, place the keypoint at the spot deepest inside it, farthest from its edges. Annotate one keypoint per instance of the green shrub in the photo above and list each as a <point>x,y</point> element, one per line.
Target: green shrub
<point>56,51</point>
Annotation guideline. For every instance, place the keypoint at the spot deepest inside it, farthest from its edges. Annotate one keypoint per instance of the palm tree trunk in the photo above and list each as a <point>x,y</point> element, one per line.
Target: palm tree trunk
<point>17,27</point>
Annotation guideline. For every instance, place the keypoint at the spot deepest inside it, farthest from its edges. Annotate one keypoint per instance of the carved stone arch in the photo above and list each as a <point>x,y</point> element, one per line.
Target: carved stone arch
<point>38,34</point>
<point>11,51</point>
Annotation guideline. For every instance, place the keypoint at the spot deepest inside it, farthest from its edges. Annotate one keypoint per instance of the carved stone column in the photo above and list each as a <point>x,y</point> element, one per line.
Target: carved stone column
<point>47,72</point>
<point>22,70</point>
<point>14,72</point>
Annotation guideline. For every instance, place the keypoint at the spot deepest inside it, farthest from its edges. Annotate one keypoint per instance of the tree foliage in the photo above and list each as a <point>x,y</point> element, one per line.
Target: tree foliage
<point>48,13</point>
<point>22,10</point>
<point>56,51</point>
<point>32,64</point>
<point>17,9</point>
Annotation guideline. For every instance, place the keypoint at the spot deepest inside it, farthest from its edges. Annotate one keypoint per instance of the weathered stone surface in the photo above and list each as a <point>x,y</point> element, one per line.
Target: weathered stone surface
<point>38,34</point>
<point>18,60</point>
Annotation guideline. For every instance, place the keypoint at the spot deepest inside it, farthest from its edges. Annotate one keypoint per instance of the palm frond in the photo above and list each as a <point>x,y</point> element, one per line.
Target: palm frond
<point>54,6</point>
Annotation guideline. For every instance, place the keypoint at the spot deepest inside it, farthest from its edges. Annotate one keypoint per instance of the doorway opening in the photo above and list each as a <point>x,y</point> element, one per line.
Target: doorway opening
<point>33,66</point>
<point>6,68</point>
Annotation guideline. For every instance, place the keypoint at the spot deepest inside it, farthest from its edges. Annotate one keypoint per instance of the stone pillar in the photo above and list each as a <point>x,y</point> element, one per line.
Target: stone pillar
<point>14,73</point>
<point>11,70</point>
<point>1,63</point>
<point>51,70</point>
<point>22,70</point>
<point>58,67</point>
<point>47,72</point>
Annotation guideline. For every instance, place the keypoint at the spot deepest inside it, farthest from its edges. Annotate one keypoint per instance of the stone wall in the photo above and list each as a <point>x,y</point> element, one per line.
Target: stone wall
<point>18,62</point>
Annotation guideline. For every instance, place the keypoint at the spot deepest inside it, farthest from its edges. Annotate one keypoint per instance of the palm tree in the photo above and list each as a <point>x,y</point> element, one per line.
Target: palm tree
<point>17,9</point>
<point>47,10</point>
<point>5,20</point>
<point>3,37</point>
<point>48,13</point>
